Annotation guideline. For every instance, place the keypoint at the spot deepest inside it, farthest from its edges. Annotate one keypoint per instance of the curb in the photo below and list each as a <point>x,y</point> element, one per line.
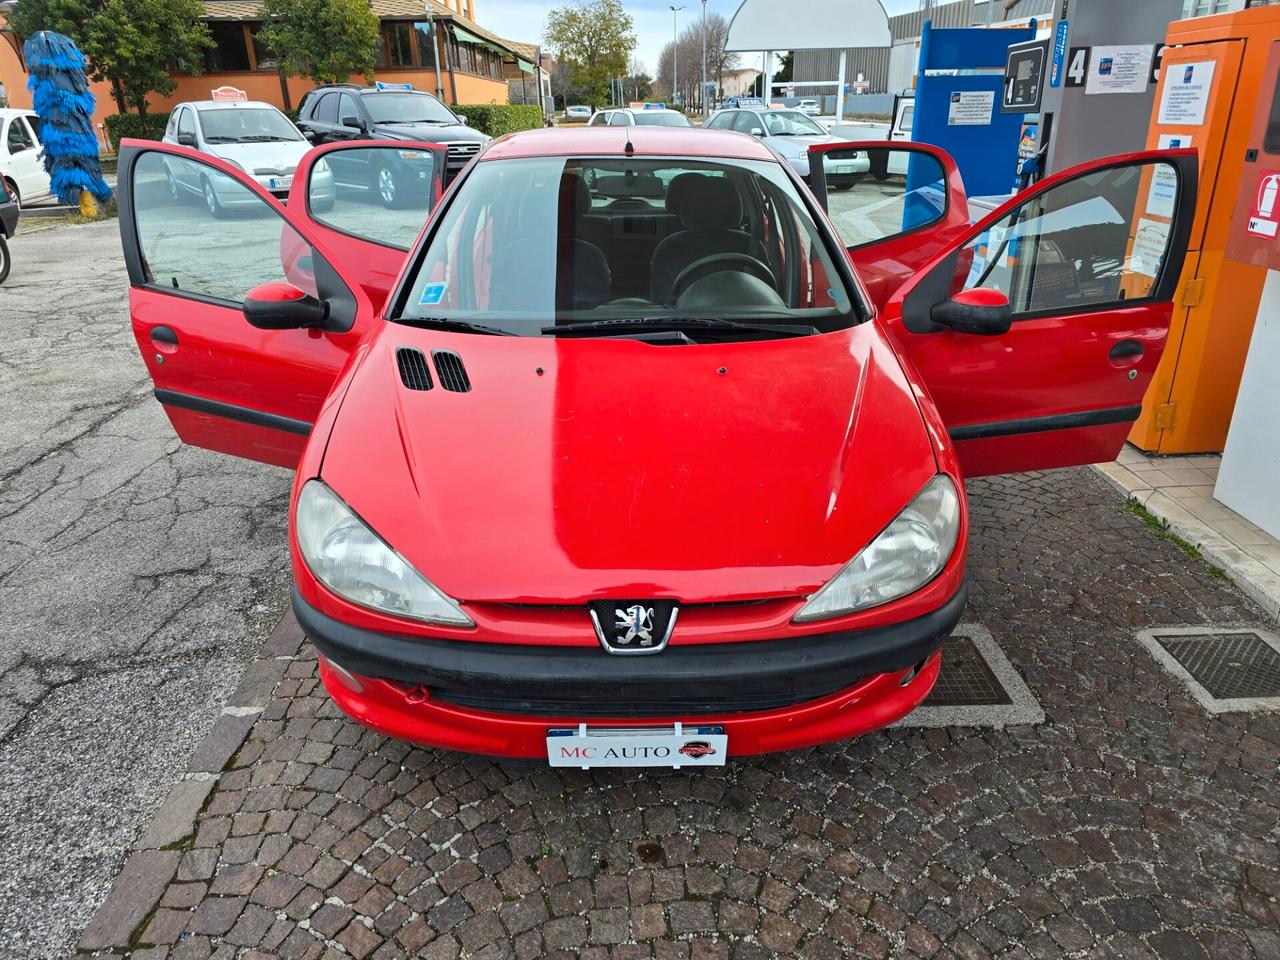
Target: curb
<point>1255,580</point>
<point>154,857</point>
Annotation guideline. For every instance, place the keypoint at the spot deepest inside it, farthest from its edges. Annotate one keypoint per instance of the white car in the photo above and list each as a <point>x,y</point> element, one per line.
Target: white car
<point>252,135</point>
<point>625,116</point>
<point>20,164</point>
<point>811,107</point>
<point>577,112</point>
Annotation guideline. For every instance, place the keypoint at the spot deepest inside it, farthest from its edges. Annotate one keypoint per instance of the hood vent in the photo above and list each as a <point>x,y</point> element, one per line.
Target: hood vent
<point>414,372</point>
<point>452,374</point>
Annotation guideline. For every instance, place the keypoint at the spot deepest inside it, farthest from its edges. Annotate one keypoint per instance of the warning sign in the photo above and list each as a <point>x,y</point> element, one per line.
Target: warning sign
<point>1266,206</point>
<point>971,108</point>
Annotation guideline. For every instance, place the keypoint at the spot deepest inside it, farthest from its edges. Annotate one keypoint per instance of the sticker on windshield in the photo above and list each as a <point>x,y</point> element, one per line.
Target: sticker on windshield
<point>432,294</point>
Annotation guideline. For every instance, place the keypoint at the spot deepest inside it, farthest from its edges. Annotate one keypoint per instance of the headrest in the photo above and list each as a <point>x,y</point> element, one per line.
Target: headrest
<point>575,196</point>
<point>715,204</point>
<point>679,188</point>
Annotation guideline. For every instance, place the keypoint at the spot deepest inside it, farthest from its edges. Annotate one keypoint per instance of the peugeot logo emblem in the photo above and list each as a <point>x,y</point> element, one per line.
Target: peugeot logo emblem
<point>633,626</point>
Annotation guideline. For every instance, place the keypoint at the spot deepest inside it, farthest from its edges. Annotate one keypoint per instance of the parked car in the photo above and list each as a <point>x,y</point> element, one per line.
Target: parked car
<point>625,116</point>
<point>809,107</point>
<point>20,163</point>
<point>646,476</point>
<point>8,224</point>
<point>254,136</point>
<point>340,112</point>
<point>790,134</point>
<point>578,112</point>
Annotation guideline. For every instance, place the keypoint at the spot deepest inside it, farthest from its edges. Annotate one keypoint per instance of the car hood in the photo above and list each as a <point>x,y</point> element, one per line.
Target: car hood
<point>798,146</point>
<point>279,155</point>
<point>575,469</point>
<point>431,132</point>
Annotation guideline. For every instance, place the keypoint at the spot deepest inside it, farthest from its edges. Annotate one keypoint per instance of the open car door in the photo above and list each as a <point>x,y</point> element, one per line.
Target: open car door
<point>1038,331</point>
<point>895,205</point>
<point>244,317</point>
<point>368,201</point>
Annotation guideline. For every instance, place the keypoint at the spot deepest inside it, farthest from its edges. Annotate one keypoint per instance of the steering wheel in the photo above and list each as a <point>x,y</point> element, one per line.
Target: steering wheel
<point>716,263</point>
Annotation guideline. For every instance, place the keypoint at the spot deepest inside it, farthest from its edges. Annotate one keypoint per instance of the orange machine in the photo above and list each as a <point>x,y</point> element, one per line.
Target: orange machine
<point>1212,77</point>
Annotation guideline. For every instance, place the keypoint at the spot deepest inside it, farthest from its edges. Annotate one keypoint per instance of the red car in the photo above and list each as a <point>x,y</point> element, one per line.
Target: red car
<point>635,453</point>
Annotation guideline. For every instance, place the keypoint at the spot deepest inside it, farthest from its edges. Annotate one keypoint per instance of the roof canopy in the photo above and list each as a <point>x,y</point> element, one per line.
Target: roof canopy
<point>808,25</point>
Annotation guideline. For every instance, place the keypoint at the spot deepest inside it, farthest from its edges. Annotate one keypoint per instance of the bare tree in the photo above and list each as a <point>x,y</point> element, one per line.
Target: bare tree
<point>687,51</point>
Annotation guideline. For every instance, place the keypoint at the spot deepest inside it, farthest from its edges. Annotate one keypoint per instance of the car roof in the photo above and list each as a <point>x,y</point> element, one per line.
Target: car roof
<point>226,104</point>
<point>16,112</point>
<point>612,141</point>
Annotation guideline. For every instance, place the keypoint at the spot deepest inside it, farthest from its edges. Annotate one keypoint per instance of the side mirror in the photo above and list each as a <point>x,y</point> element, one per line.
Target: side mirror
<point>187,139</point>
<point>462,118</point>
<point>309,135</point>
<point>282,306</point>
<point>981,310</point>
<point>757,132</point>
<point>353,122</point>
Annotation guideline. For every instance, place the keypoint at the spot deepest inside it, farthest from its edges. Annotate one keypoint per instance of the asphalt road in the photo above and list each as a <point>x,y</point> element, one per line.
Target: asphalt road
<point>137,578</point>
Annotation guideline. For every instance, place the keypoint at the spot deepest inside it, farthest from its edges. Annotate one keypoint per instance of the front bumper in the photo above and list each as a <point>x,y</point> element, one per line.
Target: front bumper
<point>8,217</point>
<point>501,699</point>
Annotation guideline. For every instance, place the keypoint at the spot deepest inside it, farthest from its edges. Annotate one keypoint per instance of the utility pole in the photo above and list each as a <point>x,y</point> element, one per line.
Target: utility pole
<point>675,52</point>
<point>705,111</point>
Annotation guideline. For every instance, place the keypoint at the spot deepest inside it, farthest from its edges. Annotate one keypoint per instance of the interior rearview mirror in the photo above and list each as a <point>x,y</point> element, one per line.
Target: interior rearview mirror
<point>981,310</point>
<point>282,306</point>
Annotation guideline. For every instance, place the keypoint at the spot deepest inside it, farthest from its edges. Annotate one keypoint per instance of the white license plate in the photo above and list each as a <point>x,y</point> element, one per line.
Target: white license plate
<point>281,183</point>
<point>845,168</point>
<point>678,746</point>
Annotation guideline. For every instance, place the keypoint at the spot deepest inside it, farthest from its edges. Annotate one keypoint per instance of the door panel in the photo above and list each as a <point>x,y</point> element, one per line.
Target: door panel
<point>226,385</point>
<point>369,201</point>
<point>896,206</point>
<point>1089,261</point>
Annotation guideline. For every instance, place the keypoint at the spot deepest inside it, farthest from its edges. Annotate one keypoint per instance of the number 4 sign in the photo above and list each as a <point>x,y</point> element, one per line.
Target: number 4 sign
<point>1077,66</point>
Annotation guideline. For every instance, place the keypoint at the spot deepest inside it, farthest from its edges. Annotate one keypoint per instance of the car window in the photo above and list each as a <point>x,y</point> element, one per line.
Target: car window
<point>619,119</point>
<point>905,121</point>
<point>791,123</point>
<point>171,128</point>
<point>186,123</point>
<point>348,113</point>
<point>526,244</point>
<point>246,125</point>
<point>722,120</point>
<point>406,108</point>
<point>1087,243</point>
<point>18,137</point>
<point>661,118</point>
<point>188,248</point>
<point>746,121</point>
<point>875,194</point>
<point>34,124</point>
<point>393,212</point>
<point>327,109</point>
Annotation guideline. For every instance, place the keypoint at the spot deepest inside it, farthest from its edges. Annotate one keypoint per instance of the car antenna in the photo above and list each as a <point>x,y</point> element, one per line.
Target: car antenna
<point>629,149</point>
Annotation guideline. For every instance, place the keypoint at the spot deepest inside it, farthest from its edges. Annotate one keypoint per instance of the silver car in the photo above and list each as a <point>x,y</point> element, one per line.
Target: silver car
<point>790,134</point>
<point>252,135</point>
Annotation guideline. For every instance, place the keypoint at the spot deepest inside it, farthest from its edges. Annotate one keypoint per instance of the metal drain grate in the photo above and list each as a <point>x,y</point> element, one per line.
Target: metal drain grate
<point>1228,665</point>
<point>1227,669</point>
<point>965,679</point>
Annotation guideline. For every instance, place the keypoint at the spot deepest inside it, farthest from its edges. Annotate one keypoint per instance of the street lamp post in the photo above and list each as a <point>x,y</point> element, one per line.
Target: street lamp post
<point>705,109</point>
<point>675,52</point>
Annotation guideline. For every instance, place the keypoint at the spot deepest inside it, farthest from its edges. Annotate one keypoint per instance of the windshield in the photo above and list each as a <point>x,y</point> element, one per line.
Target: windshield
<point>246,125</point>
<point>791,123</point>
<point>661,118</point>
<point>548,242</point>
<point>407,108</point>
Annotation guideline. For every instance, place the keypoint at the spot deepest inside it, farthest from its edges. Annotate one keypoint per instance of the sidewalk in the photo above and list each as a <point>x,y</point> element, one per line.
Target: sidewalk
<point>1179,491</point>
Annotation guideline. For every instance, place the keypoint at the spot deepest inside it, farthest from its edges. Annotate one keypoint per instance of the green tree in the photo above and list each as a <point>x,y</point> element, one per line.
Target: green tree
<point>326,40</point>
<point>594,40</point>
<point>128,43</point>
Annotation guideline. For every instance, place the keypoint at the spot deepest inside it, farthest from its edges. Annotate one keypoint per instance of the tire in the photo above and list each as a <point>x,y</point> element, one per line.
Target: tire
<point>5,260</point>
<point>13,192</point>
<point>211,201</point>
<point>388,188</point>
<point>175,191</point>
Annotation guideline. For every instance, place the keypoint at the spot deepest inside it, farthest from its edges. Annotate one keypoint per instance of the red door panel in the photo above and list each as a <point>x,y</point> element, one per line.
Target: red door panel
<point>197,236</point>
<point>1089,260</point>
<point>369,201</point>
<point>895,205</point>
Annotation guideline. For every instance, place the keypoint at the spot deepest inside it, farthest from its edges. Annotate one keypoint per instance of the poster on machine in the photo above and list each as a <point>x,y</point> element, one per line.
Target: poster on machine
<point>971,108</point>
<point>1186,93</point>
<point>1123,69</point>
<point>1150,241</point>
<point>1163,193</point>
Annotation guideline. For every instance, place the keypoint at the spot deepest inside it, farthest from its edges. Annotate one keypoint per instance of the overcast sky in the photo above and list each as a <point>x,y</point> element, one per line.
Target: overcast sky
<point>524,19</point>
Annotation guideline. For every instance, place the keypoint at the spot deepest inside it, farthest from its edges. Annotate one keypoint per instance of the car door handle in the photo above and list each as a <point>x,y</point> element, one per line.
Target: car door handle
<point>164,334</point>
<point>1127,350</point>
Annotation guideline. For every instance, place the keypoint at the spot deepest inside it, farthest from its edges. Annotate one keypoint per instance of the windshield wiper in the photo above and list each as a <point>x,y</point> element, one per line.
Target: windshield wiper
<point>260,137</point>
<point>220,139</point>
<point>678,323</point>
<point>461,326</point>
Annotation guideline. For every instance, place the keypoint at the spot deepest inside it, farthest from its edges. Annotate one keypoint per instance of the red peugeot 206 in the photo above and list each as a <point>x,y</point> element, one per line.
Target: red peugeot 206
<point>633,448</point>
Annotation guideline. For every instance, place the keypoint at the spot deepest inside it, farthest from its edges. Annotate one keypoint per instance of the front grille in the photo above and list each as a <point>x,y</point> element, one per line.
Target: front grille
<point>622,708</point>
<point>274,171</point>
<point>460,153</point>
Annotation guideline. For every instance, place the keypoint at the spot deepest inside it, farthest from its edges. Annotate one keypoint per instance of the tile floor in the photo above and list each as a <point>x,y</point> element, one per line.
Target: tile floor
<point>1179,490</point>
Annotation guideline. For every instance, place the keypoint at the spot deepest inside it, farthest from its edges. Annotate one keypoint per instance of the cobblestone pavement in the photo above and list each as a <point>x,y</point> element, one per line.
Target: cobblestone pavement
<point>137,578</point>
<point>1129,824</point>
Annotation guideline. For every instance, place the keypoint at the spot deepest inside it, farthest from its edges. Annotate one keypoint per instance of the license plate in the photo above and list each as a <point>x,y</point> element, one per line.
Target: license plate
<point>281,183</point>
<point>845,168</point>
<point>678,746</point>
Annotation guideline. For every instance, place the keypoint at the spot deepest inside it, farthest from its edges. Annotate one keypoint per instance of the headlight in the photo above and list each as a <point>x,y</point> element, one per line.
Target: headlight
<point>355,563</point>
<point>233,163</point>
<point>908,554</point>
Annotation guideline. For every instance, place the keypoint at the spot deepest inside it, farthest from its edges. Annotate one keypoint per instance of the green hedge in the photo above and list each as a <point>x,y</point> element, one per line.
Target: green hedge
<point>495,119</point>
<point>149,126</point>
